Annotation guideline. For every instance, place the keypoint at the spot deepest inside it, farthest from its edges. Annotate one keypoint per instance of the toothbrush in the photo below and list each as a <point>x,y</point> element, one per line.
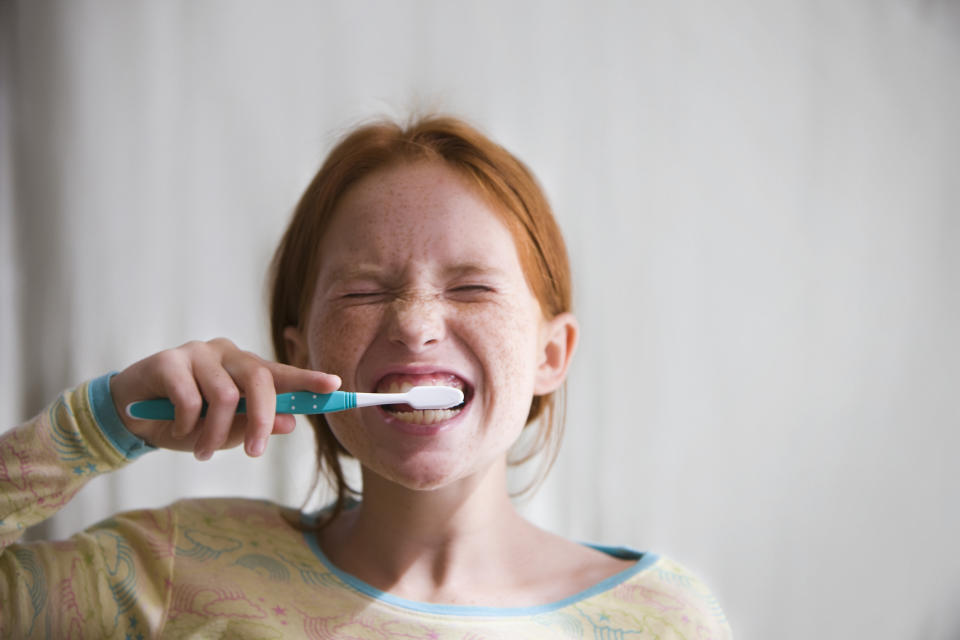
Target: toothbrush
<point>307,402</point>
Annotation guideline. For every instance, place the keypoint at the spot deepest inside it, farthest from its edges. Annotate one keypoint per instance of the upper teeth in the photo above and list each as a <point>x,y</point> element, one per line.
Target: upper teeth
<point>405,385</point>
<point>397,387</point>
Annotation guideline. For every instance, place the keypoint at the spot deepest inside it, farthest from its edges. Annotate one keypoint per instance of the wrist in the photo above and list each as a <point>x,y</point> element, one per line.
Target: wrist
<point>107,413</point>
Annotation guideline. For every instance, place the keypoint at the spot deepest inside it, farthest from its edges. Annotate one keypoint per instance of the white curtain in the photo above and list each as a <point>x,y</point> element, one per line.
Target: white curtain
<point>762,204</point>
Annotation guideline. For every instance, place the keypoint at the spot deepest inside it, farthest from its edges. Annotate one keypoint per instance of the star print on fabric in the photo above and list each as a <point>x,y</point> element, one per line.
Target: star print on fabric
<point>280,611</point>
<point>83,469</point>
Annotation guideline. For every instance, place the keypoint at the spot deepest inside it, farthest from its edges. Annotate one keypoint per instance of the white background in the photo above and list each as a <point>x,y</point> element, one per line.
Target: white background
<point>761,201</point>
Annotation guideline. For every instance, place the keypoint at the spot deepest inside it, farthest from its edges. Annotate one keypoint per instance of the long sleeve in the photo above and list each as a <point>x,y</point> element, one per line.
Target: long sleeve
<point>92,584</point>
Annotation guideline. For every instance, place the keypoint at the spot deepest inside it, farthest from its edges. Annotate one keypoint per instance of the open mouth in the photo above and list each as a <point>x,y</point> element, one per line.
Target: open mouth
<point>402,382</point>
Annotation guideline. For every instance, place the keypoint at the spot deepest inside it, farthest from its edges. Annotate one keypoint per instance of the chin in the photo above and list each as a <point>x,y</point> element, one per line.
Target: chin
<point>429,479</point>
<point>424,472</point>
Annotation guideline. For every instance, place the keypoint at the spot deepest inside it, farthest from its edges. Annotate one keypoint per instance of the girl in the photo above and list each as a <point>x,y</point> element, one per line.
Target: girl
<point>424,255</point>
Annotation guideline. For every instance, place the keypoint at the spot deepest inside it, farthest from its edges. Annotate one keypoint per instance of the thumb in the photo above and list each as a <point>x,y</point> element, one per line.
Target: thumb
<point>289,378</point>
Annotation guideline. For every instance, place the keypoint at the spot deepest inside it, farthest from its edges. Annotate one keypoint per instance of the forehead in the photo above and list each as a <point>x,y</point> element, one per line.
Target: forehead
<point>411,213</point>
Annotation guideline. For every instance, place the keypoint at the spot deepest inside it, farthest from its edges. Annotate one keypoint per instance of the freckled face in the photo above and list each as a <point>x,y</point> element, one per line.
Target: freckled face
<point>420,277</point>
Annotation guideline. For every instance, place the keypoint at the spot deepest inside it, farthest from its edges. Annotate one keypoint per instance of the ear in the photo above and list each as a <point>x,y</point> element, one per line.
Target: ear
<point>296,347</point>
<point>558,340</point>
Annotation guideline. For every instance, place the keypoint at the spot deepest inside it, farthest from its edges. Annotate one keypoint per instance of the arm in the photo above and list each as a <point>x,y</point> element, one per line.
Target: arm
<point>114,579</point>
<point>44,462</point>
<point>85,583</point>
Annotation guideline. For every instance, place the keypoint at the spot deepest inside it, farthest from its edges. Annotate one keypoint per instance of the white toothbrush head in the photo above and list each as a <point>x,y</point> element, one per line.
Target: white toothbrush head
<point>433,397</point>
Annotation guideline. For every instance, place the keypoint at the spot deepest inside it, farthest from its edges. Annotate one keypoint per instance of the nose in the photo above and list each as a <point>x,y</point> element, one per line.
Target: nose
<point>417,322</point>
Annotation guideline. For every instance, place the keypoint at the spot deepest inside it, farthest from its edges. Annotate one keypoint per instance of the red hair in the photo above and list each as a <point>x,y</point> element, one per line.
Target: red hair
<point>504,180</point>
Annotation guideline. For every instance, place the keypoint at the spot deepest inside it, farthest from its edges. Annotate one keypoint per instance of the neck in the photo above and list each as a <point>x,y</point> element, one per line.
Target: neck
<point>427,545</point>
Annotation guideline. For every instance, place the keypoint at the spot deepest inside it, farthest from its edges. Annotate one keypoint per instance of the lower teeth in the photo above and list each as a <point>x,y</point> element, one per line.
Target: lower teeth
<point>425,416</point>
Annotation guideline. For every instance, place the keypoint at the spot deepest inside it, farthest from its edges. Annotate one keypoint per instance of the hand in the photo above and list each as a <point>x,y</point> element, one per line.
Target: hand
<point>220,373</point>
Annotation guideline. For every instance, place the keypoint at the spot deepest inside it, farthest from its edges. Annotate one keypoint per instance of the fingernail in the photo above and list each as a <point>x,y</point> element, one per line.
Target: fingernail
<point>203,455</point>
<point>257,446</point>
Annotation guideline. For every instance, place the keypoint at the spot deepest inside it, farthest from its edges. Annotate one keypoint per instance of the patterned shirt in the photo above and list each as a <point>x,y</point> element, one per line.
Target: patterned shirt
<point>238,568</point>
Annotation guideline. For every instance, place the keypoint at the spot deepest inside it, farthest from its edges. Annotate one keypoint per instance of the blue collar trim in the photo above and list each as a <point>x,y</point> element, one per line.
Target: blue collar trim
<point>643,559</point>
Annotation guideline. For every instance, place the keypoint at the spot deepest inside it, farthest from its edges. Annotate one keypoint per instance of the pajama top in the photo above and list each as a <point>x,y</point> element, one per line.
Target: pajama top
<point>243,569</point>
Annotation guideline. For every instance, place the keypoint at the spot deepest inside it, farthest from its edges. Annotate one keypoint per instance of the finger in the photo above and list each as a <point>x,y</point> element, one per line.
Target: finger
<point>222,396</point>
<point>178,384</point>
<point>237,429</point>
<point>284,423</point>
<point>257,384</point>
<point>289,378</point>
<point>187,405</point>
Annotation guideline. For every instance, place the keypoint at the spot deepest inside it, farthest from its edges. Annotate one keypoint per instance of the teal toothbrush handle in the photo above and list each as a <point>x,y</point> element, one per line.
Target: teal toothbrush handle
<point>303,402</point>
<point>306,402</point>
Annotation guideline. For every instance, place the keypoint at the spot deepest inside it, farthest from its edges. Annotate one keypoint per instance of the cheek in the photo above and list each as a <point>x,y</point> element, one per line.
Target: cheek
<point>337,339</point>
<point>509,334</point>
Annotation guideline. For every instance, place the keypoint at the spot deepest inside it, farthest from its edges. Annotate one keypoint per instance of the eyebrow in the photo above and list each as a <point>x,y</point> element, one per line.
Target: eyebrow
<point>472,269</point>
<point>356,272</point>
<point>373,272</point>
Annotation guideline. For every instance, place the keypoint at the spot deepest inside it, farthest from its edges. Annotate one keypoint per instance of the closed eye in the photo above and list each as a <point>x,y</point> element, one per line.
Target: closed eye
<point>358,295</point>
<point>470,292</point>
<point>472,287</point>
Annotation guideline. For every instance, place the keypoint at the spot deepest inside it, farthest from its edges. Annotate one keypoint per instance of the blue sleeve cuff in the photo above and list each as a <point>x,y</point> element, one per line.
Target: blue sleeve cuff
<point>101,404</point>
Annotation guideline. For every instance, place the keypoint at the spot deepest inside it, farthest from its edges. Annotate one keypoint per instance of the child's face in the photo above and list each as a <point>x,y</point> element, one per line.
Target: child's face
<point>420,283</point>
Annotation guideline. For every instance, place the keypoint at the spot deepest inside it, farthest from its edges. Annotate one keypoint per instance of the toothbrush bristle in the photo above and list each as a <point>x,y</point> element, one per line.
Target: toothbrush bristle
<point>428,397</point>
